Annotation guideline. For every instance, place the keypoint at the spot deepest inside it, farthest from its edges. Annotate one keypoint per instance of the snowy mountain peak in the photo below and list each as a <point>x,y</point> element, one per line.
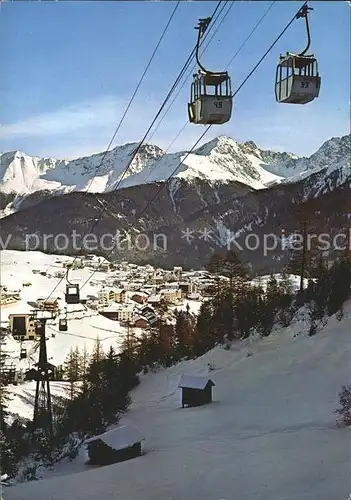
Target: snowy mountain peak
<point>220,144</point>
<point>332,150</point>
<point>223,159</point>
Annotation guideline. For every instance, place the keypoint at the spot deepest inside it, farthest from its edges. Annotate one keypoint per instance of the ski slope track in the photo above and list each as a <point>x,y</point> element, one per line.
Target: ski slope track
<point>270,433</point>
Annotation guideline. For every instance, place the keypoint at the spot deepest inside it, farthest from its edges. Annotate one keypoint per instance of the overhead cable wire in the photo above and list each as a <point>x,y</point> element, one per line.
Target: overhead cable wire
<point>199,139</point>
<point>135,91</point>
<point>154,166</point>
<point>184,82</point>
<point>137,149</point>
<point>194,67</point>
<point>131,100</point>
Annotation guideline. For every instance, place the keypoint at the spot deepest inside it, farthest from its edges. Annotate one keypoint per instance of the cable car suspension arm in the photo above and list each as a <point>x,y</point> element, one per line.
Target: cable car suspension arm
<point>202,27</point>
<point>303,12</point>
<point>68,268</point>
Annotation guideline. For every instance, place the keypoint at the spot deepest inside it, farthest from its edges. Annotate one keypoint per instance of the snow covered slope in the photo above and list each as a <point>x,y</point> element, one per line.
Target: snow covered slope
<point>84,324</point>
<point>24,174</point>
<point>222,159</point>
<point>270,433</point>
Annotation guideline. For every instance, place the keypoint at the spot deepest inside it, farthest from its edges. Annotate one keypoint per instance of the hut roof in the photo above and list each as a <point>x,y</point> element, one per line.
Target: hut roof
<point>194,382</point>
<point>119,438</point>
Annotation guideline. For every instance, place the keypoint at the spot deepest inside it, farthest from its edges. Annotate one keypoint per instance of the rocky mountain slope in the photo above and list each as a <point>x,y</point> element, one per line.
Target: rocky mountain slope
<point>222,159</point>
<point>220,195</point>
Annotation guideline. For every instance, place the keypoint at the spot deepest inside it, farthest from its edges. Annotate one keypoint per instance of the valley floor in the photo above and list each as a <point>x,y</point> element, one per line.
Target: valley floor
<point>270,433</point>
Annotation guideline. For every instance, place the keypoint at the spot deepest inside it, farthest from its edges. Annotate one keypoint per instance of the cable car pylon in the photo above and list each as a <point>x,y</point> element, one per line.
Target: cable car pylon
<point>297,79</point>
<point>211,99</point>
<point>42,404</point>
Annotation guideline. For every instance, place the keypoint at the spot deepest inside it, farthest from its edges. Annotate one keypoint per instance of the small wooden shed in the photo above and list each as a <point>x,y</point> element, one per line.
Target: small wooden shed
<point>116,445</point>
<point>196,391</point>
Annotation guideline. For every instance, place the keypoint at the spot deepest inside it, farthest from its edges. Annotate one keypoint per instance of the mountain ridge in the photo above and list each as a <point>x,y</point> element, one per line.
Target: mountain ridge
<point>223,159</point>
<point>236,202</point>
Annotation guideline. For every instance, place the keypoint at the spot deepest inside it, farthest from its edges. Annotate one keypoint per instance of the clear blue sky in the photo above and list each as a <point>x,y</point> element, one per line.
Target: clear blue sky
<point>68,69</point>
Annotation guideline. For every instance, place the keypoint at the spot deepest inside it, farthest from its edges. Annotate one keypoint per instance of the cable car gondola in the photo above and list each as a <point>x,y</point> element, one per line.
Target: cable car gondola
<point>63,325</point>
<point>211,98</point>
<point>297,79</point>
<point>72,295</point>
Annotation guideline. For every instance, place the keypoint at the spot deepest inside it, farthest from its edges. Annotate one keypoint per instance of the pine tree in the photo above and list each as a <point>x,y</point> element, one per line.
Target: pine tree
<point>340,283</point>
<point>84,363</point>
<point>9,463</point>
<point>4,395</point>
<point>98,353</point>
<point>72,370</point>
<point>205,329</point>
<point>180,333</point>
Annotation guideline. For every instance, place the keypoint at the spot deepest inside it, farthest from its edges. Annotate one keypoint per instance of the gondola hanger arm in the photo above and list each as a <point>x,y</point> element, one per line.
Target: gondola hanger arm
<point>68,268</point>
<point>202,27</point>
<point>303,12</point>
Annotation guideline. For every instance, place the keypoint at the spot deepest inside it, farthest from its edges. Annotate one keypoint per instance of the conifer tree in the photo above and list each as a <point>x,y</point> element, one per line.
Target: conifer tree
<point>98,353</point>
<point>72,370</point>
<point>340,283</point>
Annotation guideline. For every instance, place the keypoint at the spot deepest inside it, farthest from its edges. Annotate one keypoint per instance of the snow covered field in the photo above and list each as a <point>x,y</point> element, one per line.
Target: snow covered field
<point>84,326</point>
<point>270,433</point>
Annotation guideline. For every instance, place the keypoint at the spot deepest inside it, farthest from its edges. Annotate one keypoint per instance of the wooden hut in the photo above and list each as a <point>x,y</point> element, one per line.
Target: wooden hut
<point>196,391</point>
<point>116,445</point>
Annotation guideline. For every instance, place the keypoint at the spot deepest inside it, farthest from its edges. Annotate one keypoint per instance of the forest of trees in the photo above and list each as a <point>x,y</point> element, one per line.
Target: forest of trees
<point>99,384</point>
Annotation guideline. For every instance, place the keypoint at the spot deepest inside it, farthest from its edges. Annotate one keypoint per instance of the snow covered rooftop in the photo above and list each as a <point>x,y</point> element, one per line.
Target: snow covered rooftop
<point>119,438</point>
<point>194,382</point>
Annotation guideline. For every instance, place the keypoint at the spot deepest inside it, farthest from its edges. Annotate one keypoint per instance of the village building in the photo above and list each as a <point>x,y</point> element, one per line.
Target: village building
<point>172,296</point>
<point>187,287</point>
<point>140,322</point>
<point>173,285</point>
<point>9,298</point>
<point>154,300</point>
<point>110,312</point>
<point>120,295</point>
<point>134,285</point>
<point>177,272</point>
<point>196,391</point>
<point>106,296</point>
<point>51,305</point>
<point>140,297</point>
<point>125,315</point>
<point>22,326</point>
<point>158,279</point>
<point>148,313</point>
<point>149,289</point>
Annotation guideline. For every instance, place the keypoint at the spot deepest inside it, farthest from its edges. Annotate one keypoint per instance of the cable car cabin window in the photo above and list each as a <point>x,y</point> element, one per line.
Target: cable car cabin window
<point>192,92</point>
<point>19,325</point>
<point>195,85</point>
<point>213,90</point>
<point>219,87</point>
<point>40,328</point>
<point>72,294</point>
